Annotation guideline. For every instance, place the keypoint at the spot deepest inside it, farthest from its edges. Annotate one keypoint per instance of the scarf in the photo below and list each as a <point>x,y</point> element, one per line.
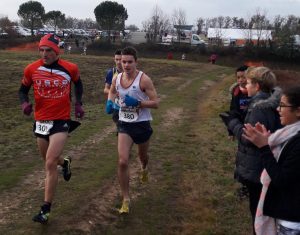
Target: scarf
<point>265,225</point>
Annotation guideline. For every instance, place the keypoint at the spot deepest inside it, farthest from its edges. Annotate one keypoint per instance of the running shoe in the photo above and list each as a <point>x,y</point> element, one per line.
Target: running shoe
<point>125,207</point>
<point>42,217</point>
<point>144,176</point>
<point>66,168</point>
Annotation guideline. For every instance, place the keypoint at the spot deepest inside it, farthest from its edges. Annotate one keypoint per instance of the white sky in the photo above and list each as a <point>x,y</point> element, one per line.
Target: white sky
<point>140,10</point>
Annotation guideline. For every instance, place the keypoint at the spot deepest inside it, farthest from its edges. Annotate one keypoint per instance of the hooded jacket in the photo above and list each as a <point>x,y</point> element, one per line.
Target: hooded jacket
<point>262,108</point>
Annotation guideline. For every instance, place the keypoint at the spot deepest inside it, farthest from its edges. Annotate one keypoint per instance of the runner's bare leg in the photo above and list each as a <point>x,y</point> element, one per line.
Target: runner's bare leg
<point>124,146</point>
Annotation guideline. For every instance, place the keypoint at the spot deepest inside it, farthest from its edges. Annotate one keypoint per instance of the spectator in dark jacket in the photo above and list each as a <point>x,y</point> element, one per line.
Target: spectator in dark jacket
<point>239,95</point>
<point>239,103</point>
<point>262,108</point>
<point>279,152</point>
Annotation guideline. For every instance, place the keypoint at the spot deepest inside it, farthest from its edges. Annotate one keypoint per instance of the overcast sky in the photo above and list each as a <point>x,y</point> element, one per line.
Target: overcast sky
<point>140,10</point>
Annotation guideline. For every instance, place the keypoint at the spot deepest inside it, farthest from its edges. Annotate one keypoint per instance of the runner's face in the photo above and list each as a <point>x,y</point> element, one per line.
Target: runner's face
<point>48,55</point>
<point>118,61</point>
<point>128,64</point>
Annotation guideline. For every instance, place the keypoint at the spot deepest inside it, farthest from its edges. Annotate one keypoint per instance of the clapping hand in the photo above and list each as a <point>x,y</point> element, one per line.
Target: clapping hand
<point>257,134</point>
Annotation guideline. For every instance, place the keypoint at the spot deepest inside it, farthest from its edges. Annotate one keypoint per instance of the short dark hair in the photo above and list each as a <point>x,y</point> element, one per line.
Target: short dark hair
<point>130,51</point>
<point>293,95</point>
<point>242,68</point>
<point>118,52</point>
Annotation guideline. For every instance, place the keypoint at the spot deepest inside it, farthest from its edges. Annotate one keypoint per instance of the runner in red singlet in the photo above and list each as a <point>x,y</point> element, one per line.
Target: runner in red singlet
<point>51,79</point>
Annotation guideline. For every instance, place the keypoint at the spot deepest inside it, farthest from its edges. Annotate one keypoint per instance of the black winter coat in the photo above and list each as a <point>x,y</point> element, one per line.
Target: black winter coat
<point>283,196</point>
<point>262,108</point>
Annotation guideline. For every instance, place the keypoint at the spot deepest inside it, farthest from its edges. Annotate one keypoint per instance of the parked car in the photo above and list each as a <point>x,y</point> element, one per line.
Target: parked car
<point>44,31</point>
<point>21,31</point>
<point>3,34</point>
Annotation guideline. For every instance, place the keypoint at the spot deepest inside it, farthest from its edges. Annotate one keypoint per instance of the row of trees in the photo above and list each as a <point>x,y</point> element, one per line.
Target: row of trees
<point>109,16</point>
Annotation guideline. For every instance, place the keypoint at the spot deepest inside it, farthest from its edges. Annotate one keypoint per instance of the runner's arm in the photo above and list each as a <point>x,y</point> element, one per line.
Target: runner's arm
<point>112,91</point>
<point>148,87</point>
<point>106,88</point>
<point>108,81</point>
<point>78,90</point>
<point>23,93</point>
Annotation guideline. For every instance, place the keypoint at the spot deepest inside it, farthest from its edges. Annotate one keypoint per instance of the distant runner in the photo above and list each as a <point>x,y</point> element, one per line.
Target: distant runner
<point>137,95</point>
<point>51,79</point>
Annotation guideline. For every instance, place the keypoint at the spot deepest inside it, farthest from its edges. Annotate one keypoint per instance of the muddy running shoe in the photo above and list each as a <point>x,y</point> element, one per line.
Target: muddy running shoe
<point>66,168</point>
<point>125,207</point>
<point>144,176</point>
<point>42,217</point>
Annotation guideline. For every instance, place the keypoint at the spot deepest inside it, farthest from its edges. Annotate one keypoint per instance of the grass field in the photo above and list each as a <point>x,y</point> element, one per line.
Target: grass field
<point>191,188</point>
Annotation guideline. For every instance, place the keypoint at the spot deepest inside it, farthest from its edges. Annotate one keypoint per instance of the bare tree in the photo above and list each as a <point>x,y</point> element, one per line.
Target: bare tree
<point>179,19</point>
<point>227,22</point>
<point>157,24</point>
<point>6,25</point>
<point>220,22</point>
<point>260,24</point>
<point>200,25</point>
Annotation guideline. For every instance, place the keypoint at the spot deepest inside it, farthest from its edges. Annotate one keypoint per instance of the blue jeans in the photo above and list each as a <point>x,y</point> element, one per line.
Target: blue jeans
<point>287,231</point>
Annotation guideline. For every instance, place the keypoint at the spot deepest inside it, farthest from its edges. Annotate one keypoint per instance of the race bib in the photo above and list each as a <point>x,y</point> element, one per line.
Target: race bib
<point>128,114</point>
<point>43,127</point>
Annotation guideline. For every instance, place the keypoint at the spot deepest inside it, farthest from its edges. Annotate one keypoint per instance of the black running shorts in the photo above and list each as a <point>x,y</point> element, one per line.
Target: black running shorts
<point>58,126</point>
<point>140,132</point>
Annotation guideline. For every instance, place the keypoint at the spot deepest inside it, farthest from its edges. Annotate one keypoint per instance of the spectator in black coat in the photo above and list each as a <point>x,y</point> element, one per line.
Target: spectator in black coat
<point>280,155</point>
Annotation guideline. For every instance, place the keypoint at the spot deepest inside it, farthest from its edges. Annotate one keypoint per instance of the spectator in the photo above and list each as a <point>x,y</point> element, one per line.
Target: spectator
<point>213,58</point>
<point>279,153</point>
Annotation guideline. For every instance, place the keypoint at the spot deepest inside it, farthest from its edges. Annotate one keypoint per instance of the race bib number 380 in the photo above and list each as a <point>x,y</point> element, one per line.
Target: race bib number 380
<point>43,127</point>
<point>128,114</point>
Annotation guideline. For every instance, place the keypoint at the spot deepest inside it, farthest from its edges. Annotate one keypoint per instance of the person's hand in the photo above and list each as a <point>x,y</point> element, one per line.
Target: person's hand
<point>27,108</point>
<point>79,112</point>
<point>228,116</point>
<point>109,106</point>
<point>258,134</point>
<point>131,101</point>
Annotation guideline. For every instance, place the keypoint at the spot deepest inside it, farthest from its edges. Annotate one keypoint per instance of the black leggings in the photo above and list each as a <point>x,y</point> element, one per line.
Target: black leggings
<point>254,194</point>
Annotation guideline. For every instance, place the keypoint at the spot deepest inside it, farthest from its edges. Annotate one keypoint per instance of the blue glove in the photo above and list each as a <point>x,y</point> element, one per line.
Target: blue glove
<point>116,106</point>
<point>130,101</point>
<point>109,106</point>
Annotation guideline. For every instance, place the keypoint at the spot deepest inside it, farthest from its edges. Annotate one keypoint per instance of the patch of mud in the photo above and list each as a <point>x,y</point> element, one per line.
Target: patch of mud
<point>170,79</point>
<point>172,116</point>
<point>207,84</point>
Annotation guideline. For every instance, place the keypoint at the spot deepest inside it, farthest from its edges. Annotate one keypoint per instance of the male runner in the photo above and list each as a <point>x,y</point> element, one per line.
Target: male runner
<point>111,73</point>
<point>51,79</point>
<point>137,95</point>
